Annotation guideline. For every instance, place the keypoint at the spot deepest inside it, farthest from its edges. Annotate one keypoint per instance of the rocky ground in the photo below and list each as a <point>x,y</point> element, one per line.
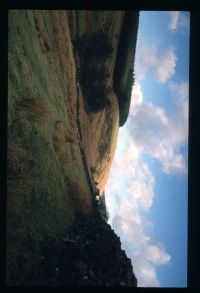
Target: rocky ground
<point>89,255</point>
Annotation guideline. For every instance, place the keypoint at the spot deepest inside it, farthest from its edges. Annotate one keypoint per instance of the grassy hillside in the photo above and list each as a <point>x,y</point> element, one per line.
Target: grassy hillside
<point>124,69</point>
<point>100,142</point>
<point>50,129</point>
<point>45,170</point>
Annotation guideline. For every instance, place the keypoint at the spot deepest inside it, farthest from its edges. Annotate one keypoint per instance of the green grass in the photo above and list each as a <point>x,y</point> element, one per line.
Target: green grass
<point>40,205</point>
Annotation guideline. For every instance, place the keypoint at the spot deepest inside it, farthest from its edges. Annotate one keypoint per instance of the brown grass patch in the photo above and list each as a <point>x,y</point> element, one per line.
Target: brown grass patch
<point>59,122</point>
<point>32,110</point>
<point>69,139</point>
<point>60,133</point>
<point>21,173</point>
<point>16,154</point>
<point>64,151</point>
<point>92,170</point>
<point>36,24</point>
<point>42,41</point>
<point>18,188</point>
<point>59,142</point>
<point>73,153</point>
<point>17,158</point>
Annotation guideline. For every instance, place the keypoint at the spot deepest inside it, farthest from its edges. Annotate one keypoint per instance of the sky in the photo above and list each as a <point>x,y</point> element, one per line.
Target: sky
<point>146,192</point>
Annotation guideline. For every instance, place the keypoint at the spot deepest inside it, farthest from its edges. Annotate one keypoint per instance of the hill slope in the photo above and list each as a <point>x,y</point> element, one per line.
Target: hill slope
<point>57,149</point>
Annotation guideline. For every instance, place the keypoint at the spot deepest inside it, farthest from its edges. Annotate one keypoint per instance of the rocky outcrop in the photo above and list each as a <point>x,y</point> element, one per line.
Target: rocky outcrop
<point>89,255</point>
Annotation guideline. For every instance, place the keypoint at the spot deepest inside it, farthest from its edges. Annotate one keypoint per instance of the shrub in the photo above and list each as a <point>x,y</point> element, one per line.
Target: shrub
<point>93,75</point>
<point>97,46</point>
<point>94,51</point>
<point>97,99</point>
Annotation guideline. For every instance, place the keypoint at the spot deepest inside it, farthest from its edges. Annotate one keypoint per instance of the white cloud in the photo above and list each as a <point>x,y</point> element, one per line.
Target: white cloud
<point>179,21</point>
<point>141,187</point>
<point>166,65</point>
<point>161,66</point>
<point>149,130</point>
<point>146,271</point>
<point>174,18</point>
<point>156,254</point>
<point>130,186</point>
<point>139,181</point>
<point>138,195</point>
<point>148,55</point>
<point>136,96</point>
<point>145,254</point>
<point>181,90</point>
<point>159,134</point>
<point>147,59</point>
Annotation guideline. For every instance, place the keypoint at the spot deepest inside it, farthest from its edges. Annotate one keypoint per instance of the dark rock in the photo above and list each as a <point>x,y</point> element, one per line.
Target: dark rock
<point>82,268</point>
<point>122,284</point>
<point>91,273</point>
<point>89,255</point>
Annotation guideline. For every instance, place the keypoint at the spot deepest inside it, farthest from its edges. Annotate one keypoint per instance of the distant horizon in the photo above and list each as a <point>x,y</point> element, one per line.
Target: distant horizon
<point>146,192</point>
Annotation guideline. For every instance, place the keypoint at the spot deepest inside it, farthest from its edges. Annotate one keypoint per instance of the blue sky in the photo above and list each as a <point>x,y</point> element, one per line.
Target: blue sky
<point>146,192</point>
